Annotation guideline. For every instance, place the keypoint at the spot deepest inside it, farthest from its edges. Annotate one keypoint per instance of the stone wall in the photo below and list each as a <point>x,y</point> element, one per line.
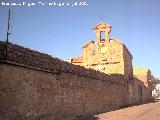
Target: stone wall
<point>36,86</point>
<point>25,57</point>
<point>144,75</point>
<point>140,93</point>
<point>31,94</point>
<point>128,68</point>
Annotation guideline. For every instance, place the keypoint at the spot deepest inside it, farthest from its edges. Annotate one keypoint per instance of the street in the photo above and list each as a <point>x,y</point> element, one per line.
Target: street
<point>150,111</point>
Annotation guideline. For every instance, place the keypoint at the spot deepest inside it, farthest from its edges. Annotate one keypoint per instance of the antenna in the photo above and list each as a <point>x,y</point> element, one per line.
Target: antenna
<point>8,33</point>
<point>8,27</point>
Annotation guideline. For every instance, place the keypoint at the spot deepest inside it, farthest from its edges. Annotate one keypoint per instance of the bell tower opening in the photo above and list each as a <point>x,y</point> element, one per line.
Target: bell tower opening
<point>102,36</point>
<point>102,31</point>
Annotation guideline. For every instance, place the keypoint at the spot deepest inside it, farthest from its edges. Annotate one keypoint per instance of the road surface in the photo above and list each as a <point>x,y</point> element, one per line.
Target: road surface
<point>150,111</point>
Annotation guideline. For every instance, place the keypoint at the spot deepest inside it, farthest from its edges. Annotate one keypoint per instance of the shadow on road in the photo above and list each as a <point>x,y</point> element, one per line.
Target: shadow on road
<point>89,118</point>
<point>96,117</point>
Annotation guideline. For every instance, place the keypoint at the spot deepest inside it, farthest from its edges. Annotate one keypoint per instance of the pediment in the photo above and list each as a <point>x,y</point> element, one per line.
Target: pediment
<point>102,25</point>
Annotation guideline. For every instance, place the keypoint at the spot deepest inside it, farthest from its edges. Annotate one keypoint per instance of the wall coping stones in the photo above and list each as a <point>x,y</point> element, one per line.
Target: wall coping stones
<point>17,55</point>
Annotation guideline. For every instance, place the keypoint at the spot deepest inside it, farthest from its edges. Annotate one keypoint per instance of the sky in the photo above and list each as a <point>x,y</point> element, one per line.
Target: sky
<point>61,31</point>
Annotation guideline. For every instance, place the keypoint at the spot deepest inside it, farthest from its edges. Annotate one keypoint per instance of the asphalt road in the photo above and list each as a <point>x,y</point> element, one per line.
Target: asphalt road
<point>150,111</point>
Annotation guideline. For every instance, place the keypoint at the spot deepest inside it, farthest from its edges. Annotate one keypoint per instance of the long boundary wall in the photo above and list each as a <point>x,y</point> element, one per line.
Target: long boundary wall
<point>36,86</point>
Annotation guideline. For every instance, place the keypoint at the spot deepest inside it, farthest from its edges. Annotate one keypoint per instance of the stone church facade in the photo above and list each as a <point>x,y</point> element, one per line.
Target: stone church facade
<point>111,56</point>
<point>105,54</point>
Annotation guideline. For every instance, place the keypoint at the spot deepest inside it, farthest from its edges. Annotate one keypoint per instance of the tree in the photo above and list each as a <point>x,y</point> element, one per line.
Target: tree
<point>154,81</point>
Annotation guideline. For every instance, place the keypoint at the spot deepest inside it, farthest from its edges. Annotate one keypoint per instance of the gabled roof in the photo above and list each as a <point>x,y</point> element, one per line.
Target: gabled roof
<point>87,44</point>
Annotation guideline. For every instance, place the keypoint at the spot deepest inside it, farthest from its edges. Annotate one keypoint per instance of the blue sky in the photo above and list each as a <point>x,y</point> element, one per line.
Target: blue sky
<point>61,31</point>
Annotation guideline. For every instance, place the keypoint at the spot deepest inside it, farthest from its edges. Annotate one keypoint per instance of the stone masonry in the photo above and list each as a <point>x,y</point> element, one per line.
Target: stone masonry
<point>111,56</point>
<point>37,86</point>
<point>106,55</point>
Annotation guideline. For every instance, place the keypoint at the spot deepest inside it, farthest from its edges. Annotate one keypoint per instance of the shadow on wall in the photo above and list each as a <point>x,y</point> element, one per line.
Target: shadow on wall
<point>36,86</point>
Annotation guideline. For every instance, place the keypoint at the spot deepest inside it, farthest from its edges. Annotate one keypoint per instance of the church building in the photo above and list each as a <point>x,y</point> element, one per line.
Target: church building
<point>111,56</point>
<point>105,54</point>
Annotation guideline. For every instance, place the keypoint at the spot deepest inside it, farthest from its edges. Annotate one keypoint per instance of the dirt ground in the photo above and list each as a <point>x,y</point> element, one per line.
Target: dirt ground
<point>150,111</point>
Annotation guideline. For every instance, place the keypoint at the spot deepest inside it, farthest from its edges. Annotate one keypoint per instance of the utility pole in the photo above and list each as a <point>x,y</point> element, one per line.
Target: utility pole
<point>8,26</point>
<point>8,33</point>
